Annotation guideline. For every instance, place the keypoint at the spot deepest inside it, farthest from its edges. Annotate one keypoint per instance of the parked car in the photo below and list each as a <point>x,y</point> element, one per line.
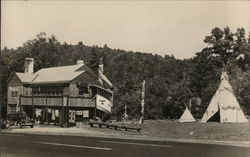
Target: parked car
<point>20,120</point>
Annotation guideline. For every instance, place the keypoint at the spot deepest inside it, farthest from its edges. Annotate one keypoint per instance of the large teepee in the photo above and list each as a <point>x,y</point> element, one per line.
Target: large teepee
<point>224,106</point>
<point>187,116</point>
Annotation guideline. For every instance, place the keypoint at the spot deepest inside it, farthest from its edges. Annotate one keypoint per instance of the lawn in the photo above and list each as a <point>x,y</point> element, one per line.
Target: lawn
<point>208,131</point>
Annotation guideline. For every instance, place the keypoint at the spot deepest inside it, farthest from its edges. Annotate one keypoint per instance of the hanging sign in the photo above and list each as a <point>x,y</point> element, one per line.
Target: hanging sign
<point>72,116</point>
<point>78,113</point>
<point>49,110</point>
<point>53,117</point>
<point>38,112</point>
<point>85,113</point>
<point>103,104</point>
<point>56,113</point>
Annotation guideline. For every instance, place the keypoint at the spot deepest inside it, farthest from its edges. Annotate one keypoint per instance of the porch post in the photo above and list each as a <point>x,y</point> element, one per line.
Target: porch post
<point>20,103</point>
<point>95,110</point>
<point>62,114</point>
<point>32,102</point>
<point>46,113</point>
<point>67,111</point>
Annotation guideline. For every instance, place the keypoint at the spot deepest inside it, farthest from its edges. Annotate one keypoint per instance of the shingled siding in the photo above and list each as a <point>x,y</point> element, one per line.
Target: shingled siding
<point>81,102</point>
<point>41,101</point>
<point>83,78</point>
<point>15,88</point>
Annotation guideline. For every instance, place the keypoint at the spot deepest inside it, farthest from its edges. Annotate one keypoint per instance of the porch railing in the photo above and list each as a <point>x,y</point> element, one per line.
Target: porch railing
<point>57,101</point>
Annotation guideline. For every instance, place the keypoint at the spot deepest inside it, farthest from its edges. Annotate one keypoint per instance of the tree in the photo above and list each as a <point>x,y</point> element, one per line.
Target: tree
<point>226,51</point>
<point>227,46</point>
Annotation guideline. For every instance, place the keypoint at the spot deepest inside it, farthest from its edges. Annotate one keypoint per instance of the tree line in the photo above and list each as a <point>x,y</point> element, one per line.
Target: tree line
<point>170,83</point>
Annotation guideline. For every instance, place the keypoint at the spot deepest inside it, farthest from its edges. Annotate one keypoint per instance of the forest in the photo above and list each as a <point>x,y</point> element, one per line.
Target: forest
<point>170,82</point>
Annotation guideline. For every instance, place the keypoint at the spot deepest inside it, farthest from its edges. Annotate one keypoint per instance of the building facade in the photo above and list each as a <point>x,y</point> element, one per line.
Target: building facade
<point>60,95</point>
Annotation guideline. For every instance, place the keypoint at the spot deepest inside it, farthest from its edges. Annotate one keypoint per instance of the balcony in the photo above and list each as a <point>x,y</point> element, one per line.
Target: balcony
<point>57,101</point>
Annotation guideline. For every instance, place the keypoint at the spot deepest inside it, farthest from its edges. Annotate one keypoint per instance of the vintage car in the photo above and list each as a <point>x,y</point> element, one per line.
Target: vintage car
<point>20,120</point>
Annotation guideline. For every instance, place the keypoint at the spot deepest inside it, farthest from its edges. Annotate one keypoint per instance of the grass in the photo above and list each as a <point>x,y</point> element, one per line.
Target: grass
<point>208,131</point>
<point>168,129</point>
<point>177,130</point>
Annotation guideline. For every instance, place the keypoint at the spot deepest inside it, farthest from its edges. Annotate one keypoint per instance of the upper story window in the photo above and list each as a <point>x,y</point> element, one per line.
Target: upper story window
<point>52,90</point>
<point>13,91</point>
<point>36,90</point>
<point>83,89</point>
<point>103,93</point>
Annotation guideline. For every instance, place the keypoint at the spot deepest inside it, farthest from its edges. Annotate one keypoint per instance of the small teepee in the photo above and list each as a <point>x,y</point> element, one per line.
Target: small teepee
<point>224,106</point>
<point>187,116</point>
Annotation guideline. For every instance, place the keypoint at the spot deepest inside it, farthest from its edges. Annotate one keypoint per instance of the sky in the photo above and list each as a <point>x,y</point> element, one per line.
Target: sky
<point>158,27</point>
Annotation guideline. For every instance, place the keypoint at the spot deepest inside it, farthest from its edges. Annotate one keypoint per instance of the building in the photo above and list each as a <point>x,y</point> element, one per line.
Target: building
<point>60,95</point>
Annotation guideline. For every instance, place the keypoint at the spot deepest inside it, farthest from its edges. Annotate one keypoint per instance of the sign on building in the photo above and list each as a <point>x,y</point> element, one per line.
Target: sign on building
<point>103,104</point>
<point>85,113</point>
<point>72,116</point>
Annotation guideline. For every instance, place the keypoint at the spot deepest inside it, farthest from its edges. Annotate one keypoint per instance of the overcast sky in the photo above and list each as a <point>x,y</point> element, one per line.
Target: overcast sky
<point>161,27</point>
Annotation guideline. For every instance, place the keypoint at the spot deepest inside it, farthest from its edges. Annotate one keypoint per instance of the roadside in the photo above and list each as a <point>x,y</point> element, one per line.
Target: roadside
<point>210,133</point>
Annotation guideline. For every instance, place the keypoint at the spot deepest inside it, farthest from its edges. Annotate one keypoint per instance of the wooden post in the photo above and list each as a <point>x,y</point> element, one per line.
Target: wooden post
<point>142,101</point>
<point>19,103</point>
<point>62,113</point>
<point>95,109</point>
<point>32,102</point>
<point>67,111</point>
<point>125,113</point>
<point>47,115</point>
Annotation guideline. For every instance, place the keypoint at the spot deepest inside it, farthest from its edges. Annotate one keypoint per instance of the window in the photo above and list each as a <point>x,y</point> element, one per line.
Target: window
<point>35,90</point>
<point>83,90</point>
<point>14,93</point>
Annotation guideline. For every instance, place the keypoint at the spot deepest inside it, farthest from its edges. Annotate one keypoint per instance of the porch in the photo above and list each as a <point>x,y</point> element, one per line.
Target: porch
<point>58,109</point>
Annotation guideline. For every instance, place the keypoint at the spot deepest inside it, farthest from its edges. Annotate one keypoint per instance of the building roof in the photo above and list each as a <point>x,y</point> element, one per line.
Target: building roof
<point>62,74</point>
<point>58,74</point>
<point>26,77</point>
<point>107,80</point>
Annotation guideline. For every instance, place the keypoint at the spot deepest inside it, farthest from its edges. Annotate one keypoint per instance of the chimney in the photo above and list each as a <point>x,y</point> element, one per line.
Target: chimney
<point>100,70</point>
<point>29,65</point>
<point>80,62</point>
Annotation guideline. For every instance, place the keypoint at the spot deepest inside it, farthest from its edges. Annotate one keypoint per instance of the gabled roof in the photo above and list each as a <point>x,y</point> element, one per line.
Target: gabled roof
<point>58,74</point>
<point>26,77</point>
<point>62,74</point>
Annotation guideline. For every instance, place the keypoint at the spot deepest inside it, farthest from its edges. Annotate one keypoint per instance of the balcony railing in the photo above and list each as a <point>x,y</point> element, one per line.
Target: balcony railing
<point>57,101</point>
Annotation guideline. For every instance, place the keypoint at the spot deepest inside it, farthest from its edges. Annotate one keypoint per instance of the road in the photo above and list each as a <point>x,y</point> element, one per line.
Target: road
<point>28,145</point>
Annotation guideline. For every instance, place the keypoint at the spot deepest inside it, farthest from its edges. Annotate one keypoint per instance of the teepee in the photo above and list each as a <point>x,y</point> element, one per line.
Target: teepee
<point>224,106</point>
<point>187,116</point>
